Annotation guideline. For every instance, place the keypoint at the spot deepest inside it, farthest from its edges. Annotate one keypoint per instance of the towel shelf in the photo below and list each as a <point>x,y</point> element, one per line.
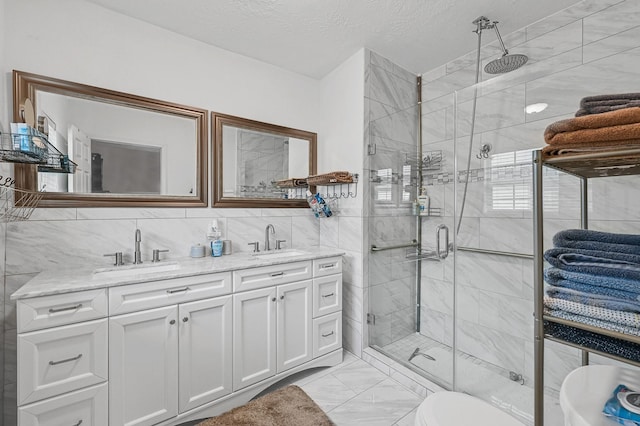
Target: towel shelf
<point>583,166</point>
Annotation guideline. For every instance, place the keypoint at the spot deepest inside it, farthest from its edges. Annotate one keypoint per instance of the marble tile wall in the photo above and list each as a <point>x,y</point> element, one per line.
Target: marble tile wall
<point>68,238</point>
<point>590,48</point>
<point>391,124</point>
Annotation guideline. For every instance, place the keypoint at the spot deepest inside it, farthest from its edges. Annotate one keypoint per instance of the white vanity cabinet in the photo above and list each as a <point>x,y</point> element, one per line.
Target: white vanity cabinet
<point>271,331</point>
<point>168,360</point>
<point>167,351</point>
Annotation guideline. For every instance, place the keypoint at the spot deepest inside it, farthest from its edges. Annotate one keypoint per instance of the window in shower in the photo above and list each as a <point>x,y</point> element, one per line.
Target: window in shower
<point>509,182</point>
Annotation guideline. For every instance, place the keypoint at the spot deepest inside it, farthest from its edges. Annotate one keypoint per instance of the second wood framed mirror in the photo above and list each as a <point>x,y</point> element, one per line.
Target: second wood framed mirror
<point>250,157</point>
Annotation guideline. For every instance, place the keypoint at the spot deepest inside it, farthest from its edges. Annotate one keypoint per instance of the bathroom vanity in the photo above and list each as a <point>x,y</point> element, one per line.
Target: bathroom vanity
<point>171,342</point>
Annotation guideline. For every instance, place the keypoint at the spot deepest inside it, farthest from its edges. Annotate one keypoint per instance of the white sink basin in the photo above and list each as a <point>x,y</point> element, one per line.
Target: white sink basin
<point>278,254</point>
<point>133,270</point>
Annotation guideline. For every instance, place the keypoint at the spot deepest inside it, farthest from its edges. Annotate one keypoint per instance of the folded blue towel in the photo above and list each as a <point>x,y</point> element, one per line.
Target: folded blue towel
<point>594,341</point>
<point>618,265</point>
<point>628,288</point>
<point>625,318</point>
<point>598,300</point>
<point>595,290</point>
<point>607,325</point>
<point>595,240</point>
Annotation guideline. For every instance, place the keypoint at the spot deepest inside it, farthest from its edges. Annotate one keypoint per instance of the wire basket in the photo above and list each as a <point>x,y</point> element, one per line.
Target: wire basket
<point>16,204</point>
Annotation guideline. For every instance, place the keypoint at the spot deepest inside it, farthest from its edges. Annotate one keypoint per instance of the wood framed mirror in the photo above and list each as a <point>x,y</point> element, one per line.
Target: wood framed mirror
<point>250,157</point>
<point>131,151</point>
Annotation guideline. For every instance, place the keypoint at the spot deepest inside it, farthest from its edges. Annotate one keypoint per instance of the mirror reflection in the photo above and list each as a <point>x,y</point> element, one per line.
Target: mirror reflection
<point>255,158</point>
<point>129,150</point>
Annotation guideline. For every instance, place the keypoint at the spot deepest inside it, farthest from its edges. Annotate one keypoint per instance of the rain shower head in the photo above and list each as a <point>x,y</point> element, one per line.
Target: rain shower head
<point>507,63</point>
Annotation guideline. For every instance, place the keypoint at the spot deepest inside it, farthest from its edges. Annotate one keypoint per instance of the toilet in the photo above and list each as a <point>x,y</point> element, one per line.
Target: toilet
<point>586,389</point>
<point>459,409</point>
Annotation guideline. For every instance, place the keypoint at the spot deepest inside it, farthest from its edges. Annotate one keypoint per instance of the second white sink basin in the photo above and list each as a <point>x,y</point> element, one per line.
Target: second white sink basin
<point>279,254</point>
<point>133,270</point>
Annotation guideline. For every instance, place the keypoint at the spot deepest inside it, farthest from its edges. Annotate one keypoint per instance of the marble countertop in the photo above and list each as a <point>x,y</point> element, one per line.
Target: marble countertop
<point>69,280</point>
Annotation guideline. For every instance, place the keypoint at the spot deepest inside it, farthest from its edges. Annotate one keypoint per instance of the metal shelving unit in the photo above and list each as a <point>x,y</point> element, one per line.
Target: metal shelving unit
<point>584,167</point>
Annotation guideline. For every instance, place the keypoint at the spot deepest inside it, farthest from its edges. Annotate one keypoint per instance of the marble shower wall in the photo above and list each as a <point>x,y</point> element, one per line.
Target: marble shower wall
<point>391,125</point>
<point>590,48</point>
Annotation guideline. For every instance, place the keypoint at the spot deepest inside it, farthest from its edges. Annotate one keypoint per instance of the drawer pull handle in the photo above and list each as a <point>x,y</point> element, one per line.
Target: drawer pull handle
<point>327,335</point>
<point>178,290</point>
<point>328,295</point>
<point>79,423</point>
<point>327,265</point>
<point>68,308</point>
<point>65,360</point>
<point>277,274</point>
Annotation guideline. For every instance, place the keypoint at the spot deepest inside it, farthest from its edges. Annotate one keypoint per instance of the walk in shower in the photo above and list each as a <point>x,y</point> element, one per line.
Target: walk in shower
<point>450,293</point>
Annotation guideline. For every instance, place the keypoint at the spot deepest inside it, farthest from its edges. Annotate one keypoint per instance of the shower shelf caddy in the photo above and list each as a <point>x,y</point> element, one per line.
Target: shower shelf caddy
<point>16,204</point>
<point>584,167</point>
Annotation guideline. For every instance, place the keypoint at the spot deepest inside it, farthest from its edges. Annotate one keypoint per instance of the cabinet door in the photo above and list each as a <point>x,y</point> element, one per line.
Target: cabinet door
<point>294,324</point>
<point>205,351</point>
<point>254,336</point>
<point>143,367</point>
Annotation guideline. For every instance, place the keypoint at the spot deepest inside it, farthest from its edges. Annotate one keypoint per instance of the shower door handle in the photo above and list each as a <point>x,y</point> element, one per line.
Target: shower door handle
<point>442,254</point>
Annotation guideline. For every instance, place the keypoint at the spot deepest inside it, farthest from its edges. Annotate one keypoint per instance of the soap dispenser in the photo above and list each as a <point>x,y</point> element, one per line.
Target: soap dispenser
<point>423,202</point>
<point>214,234</point>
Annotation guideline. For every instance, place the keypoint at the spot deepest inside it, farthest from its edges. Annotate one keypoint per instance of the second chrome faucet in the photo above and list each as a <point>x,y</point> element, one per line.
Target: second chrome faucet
<point>267,243</point>
<point>137,256</point>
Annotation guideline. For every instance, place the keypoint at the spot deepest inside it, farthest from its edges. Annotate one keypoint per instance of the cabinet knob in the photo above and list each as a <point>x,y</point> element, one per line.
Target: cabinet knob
<point>172,322</point>
<point>282,297</point>
<point>79,423</point>
<point>185,319</point>
<point>273,300</point>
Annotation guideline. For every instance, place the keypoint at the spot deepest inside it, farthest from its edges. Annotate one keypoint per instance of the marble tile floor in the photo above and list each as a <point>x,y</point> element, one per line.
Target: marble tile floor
<point>355,393</point>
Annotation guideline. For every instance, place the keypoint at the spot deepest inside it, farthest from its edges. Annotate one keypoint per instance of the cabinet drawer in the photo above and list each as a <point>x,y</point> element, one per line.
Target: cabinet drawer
<point>327,295</point>
<point>138,297</point>
<point>265,276</point>
<point>87,407</point>
<point>327,334</point>
<point>328,266</point>
<point>61,309</point>
<point>61,359</point>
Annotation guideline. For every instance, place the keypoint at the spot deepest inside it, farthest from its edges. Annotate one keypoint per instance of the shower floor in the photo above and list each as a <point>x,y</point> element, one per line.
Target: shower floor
<point>475,377</point>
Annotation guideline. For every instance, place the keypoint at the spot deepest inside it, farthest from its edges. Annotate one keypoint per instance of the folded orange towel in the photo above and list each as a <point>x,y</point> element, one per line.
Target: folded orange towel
<point>585,148</point>
<point>620,125</point>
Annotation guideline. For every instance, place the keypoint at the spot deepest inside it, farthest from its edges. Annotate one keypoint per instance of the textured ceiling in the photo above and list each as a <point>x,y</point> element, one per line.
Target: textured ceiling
<point>312,37</point>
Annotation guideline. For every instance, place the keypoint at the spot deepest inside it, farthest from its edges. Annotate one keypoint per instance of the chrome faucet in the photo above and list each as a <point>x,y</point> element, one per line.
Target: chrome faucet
<point>267,245</point>
<point>137,256</point>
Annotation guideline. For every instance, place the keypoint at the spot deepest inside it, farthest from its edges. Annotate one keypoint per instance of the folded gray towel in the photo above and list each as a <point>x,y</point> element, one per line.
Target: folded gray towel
<point>599,109</point>
<point>613,99</point>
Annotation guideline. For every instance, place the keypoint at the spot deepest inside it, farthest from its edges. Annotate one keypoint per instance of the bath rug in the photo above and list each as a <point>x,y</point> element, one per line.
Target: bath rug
<point>623,124</point>
<point>288,406</point>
